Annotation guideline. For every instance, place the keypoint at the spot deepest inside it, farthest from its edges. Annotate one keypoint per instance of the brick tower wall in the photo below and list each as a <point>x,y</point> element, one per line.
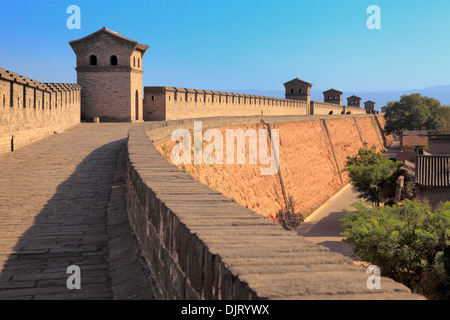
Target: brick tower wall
<point>106,95</point>
<point>109,90</point>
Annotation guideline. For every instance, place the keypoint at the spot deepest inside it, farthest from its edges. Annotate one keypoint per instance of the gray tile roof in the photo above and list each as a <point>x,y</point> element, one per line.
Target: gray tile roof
<point>433,171</point>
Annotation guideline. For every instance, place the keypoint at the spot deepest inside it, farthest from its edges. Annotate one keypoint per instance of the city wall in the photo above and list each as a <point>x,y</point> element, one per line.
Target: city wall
<point>30,110</point>
<point>354,110</point>
<point>312,153</point>
<point>200,244</point>
<point>171,103</point>
<point>323,108</point>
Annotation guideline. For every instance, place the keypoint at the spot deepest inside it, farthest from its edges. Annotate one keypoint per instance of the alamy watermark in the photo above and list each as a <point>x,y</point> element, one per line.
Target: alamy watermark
<point>374,280</point>
<point>213,153</point>
<point>74,280</point>
<point>74,20</point>
<point>374,21</point>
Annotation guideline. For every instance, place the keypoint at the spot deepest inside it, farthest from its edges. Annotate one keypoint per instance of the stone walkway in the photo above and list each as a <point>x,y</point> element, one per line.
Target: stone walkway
<point>54,209</point>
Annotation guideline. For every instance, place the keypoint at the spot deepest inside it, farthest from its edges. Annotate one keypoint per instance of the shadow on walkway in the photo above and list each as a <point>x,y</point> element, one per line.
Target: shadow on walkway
<point>69,230</point>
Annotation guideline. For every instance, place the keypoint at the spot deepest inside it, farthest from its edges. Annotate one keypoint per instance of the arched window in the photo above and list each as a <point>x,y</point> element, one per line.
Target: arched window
<point>292,90</point>
<point>300,91</point>
<point>113,60</point>
<point>134,61</point>
<point>139,63</point>
<point>93,60</point>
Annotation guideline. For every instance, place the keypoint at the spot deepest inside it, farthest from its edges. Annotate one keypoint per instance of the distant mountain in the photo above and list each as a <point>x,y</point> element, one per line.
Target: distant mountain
<point>442,93</point>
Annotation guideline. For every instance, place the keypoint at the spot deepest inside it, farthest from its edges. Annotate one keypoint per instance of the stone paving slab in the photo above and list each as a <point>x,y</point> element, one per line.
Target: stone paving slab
<point>53,213</point>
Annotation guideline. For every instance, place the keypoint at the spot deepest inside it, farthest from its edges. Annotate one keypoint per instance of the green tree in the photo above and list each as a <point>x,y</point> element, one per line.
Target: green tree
<point>409,243</point>
<point>372,174</point>
<point>415,112</point>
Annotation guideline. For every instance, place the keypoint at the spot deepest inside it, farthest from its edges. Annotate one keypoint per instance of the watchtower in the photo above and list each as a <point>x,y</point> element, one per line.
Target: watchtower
<point>297,89</point>
<point>354,101</point>
<point>369,106</point>
<point>109,70</point>
<point>332,96</point>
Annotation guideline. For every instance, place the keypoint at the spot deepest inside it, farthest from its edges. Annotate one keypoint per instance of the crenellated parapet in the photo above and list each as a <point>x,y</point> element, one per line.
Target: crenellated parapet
<point>170,103</point>
<point>17,91</point>
<point>323,108</point>
<point>353,110</point>
<point>31,110</point>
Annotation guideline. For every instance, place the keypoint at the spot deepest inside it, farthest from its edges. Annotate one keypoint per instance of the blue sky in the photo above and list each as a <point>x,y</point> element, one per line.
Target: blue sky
<point>244,44</point>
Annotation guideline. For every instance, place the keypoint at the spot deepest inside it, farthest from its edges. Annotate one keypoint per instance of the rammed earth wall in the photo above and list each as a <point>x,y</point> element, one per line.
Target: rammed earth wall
<point>313,154</point>
<point>200,244</point>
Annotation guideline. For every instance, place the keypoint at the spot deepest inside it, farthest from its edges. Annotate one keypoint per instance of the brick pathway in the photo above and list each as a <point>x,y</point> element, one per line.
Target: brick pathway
<point>53,213</point>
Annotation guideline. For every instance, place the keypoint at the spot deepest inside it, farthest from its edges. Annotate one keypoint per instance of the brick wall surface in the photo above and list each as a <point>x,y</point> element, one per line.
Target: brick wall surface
<point>105,95</point>
<point>36,109</point>
<point>180,103</point>
<point>322,108</point>
<point>435,196</point>
<point>354,110</point>
<point>439,145</point>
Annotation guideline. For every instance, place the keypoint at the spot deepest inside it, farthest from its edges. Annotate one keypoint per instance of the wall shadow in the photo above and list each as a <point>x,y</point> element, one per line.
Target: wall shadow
<point>327,232</point>
<point>69,230</point>
<point>326,227</point>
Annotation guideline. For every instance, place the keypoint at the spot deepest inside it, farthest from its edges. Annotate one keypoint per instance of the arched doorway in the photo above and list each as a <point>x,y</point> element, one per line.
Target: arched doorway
<point>137,104</point>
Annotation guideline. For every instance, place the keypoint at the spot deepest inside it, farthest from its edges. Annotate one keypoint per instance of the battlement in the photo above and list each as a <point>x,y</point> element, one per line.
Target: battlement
<point>220,96</point>
<point>171,103</point>
<point>31,110</point>
<point>323,108</point>
<point>354,110</point>
<point>17,91</point>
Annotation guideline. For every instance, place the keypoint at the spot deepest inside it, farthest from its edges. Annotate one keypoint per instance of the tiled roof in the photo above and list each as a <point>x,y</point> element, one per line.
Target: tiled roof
<point>332,91</point>
<point>139,46</point>
<point>433,171</point>
<point>296,80</point>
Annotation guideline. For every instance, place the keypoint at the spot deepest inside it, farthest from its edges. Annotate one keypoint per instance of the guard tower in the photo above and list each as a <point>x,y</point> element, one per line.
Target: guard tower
<point>297,89</point>
<point>369,106</point>
<point>332,96</point>
<point>109,70</point>
<point>354,101</point>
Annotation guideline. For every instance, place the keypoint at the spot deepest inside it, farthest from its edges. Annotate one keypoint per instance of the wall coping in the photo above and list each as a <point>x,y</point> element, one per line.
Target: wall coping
<point>11,76</point>
<point>218,93</point>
